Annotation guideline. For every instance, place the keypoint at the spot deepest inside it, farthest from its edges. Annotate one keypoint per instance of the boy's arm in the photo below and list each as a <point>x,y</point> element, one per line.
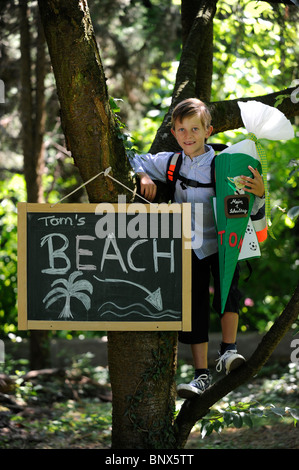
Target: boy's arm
<point>148,189</point>
<point>150,167</point>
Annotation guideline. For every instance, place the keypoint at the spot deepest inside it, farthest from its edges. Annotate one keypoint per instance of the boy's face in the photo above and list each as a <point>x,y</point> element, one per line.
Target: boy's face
<point>190,135</point>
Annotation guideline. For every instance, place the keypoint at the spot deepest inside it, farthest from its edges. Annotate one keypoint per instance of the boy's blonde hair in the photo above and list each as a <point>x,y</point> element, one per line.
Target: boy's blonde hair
<point>188,108</point>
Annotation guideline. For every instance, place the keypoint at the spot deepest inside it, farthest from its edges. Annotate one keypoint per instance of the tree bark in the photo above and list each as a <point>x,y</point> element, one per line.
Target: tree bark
<point>226,114</point>
<point>190,10</point>
<point>32,111</point>
<point>86,117</point>
<point>187,76</point>
<point>32,108</point>
<point>142,368</point>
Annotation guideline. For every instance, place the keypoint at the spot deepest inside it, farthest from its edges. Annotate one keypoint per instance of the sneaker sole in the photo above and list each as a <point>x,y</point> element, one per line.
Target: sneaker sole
<point>187,391</point>
<point>234,364</point>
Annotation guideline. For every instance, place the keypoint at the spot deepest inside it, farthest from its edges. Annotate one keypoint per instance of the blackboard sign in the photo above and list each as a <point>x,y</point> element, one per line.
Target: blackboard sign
<point>104,267</point>
<point>236,205</point>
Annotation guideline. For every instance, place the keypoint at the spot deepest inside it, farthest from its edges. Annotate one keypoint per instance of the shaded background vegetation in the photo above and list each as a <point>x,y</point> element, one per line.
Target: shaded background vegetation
<point>255,52</point>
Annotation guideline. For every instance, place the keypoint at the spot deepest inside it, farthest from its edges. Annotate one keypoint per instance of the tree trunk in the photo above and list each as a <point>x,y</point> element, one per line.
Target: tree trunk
<point>140,364</point>
<point>204,68</point>
<point>188,79</point>
<point>32,108</point>
<point>86,117</point>
<point>142,368</point>
<point>32,111</point>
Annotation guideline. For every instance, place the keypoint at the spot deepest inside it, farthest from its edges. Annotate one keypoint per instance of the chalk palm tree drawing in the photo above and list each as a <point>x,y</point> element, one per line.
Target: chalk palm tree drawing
<point>70,289</point>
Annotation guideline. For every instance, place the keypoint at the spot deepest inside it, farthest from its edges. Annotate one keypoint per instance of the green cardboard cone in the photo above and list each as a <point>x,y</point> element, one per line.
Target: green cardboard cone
<point>233,208</point>
<point>233,204</point>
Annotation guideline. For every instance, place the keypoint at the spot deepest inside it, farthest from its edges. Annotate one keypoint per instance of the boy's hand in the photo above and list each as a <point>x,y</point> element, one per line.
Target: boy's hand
<point>148,189</point>
<point>254,185</point>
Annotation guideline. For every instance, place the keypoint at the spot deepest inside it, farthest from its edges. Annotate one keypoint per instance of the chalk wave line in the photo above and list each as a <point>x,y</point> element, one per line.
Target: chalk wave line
<point>147,314</point>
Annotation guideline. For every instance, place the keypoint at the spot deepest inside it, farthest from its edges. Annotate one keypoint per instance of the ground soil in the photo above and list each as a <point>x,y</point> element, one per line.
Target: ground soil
<point>278,436</point>
<point>73,411</point>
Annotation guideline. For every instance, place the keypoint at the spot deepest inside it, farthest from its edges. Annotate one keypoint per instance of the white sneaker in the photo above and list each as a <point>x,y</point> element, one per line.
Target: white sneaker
<point>230,360</point>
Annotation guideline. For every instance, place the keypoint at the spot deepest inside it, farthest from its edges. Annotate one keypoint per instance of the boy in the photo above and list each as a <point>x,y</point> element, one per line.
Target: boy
<point>191,126</point>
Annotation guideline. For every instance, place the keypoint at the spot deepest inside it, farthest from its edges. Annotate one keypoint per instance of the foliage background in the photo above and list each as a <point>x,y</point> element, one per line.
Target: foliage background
<point>255,52</point>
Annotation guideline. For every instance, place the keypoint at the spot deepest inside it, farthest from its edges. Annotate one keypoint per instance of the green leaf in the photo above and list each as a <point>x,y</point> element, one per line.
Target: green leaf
<point>247,420</point>
<point>257,412</point>
<point>228,417</point>
<point>114,106</point>
<point>278,411</point>
<point>294,412</point>
<point>237,421</point>
<point>206,430</point>
<point>217,426</point>
<point>293,212</point>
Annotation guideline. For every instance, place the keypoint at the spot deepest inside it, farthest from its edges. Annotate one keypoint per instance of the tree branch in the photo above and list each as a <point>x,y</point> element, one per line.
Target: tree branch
<point>203,82</point>
<point>226,114</point>
<point>194,410</point>
<point>187,72</point>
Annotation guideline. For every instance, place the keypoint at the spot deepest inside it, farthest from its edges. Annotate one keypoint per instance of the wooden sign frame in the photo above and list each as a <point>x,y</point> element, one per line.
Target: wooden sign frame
<point>49,211</point>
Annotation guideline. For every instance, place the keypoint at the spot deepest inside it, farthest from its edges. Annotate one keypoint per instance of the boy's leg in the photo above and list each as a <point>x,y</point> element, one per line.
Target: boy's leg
<point>198,337</point>
<point>228,355</point>
<point>202,377</point>
<point>200,355</point>
<point>229,326</point>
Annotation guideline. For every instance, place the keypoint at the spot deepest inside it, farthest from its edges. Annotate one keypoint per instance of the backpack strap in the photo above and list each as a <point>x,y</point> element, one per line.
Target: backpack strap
<point>173,166</point>
<point>213,177</point>
<point>193,183</point>
<point>173,172</point>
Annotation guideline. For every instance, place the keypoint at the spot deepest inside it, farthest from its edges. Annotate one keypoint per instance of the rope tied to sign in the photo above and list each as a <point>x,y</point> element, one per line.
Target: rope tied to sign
<point>263,158</point>
<point>105,173</point>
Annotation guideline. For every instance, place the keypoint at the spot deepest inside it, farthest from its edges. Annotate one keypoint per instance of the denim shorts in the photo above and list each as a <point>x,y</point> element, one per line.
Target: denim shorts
<point>201,271</point>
